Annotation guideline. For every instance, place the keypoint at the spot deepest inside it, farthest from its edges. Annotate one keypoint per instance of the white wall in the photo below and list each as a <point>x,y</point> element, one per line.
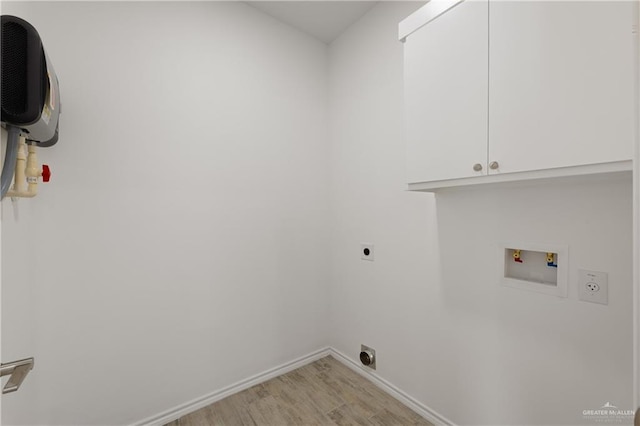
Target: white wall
<point>181,245</point>
<point>444,330</point>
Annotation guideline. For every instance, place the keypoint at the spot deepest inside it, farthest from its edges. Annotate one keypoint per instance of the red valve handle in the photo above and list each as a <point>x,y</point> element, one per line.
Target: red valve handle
<point>46,173</point>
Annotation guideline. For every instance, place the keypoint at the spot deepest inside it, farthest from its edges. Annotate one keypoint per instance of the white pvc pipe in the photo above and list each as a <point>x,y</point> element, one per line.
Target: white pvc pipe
<point>19,179</point>
<point>26,173</point>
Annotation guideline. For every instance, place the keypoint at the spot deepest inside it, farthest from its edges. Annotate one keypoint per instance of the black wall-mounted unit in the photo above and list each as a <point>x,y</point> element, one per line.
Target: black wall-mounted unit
<point>29,85</point>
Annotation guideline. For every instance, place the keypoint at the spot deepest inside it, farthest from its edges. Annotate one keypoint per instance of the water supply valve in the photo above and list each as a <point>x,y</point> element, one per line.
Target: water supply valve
<point>46,173</point>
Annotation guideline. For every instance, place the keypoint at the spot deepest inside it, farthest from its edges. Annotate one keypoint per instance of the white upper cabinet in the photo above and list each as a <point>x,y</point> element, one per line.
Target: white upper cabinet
<point>561,83</point>
<point>445,72</point>
<point>514,90</point>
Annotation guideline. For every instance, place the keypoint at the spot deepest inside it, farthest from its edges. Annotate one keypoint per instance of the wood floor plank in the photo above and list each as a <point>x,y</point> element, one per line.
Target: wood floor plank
<point>346,415</point>
<point>377,395</point>
<point>197,418</point>
<point>323,393</point>
<point>294,391</point>
<point>396,418</point>
<point>387,418</point>
<point>267,411</point>
<point>296,407</point>
<point>224,414</point>
<point>239,404</point>
<point>358,397</point>
<point>215,415</point>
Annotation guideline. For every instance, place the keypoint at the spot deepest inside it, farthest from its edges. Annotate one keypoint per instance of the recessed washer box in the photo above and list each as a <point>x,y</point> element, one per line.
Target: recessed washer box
<point>542,268</point>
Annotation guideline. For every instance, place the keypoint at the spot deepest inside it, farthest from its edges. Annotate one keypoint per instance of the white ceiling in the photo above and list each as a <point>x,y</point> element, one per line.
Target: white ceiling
<point>324,20</point>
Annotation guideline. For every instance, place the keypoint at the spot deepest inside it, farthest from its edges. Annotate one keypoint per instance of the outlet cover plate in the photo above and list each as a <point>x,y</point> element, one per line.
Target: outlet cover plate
<point>366,251</point>
<point>593,286</point>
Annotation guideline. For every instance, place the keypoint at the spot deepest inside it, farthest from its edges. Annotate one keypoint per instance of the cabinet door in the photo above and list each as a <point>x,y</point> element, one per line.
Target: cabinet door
<point>445,77</point>
<point>561,83</point>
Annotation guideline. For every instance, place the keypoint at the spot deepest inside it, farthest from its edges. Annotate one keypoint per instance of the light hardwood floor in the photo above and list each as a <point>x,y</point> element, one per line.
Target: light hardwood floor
<point>325,392</point>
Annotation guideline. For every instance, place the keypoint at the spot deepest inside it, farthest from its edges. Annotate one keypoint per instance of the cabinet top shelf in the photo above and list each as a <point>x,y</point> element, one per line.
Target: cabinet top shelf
<point>587,173</point>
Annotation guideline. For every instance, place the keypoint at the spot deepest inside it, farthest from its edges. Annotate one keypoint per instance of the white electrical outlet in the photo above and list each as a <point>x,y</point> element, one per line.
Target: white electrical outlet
<point>593,286</point>
<point>366,251</point>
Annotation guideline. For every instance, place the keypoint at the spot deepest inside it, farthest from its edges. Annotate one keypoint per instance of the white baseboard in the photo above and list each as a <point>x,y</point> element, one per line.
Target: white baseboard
<point>426,412</point>
<point>195,404</point>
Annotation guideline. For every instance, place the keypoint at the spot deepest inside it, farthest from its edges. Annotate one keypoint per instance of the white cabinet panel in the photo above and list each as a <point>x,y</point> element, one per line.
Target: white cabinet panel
<point>561,84</point>
<point>446,75</point>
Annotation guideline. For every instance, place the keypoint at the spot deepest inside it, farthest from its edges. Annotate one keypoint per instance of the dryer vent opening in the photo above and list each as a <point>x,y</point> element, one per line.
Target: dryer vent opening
<point>368,356</point>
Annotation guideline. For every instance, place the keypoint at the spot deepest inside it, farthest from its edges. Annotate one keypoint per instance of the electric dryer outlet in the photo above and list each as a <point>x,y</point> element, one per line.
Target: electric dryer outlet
<point>366,251</point>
